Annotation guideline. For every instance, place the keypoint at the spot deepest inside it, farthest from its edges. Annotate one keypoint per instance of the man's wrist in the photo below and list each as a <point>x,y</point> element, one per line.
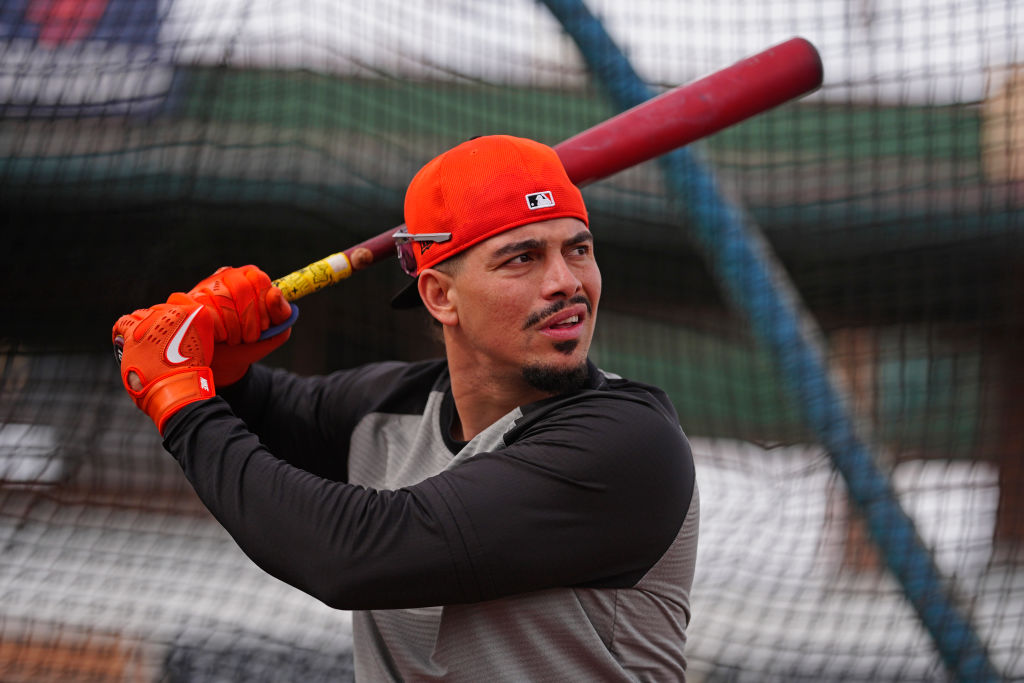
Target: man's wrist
<point>169,393</point>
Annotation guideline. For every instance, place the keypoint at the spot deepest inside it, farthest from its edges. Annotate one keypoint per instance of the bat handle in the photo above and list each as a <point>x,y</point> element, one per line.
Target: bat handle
<point>315,276</point>
<point>328,271</point>
<point>278,329</point>
<point>307,280</point>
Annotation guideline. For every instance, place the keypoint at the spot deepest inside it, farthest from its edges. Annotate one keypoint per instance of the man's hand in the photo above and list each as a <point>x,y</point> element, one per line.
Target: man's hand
<point>244,303</point>
<point>165,354</point>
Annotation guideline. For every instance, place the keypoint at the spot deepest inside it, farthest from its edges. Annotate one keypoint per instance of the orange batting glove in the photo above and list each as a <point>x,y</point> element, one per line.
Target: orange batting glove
<point>244,303</point>
<point>165,353</point>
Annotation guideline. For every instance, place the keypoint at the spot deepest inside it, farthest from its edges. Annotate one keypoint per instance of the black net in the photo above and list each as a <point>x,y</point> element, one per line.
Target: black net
<point>145,143</point>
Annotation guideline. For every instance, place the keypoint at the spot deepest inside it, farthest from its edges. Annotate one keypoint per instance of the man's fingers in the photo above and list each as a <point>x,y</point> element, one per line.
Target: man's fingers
<point>260,282</point>
<point>244,303</point>
<point>128,321</point>
<point>277,306</point>
<point>241,297</point>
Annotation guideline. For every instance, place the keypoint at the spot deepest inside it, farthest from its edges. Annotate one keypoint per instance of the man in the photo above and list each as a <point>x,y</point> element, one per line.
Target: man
<point>507,513</point>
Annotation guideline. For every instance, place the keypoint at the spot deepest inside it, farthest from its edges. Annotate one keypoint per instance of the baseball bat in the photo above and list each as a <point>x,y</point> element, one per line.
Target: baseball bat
<point>671,120</point>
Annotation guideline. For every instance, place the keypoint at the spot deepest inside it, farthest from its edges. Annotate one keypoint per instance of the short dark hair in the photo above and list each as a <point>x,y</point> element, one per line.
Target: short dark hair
<point>451,265</point>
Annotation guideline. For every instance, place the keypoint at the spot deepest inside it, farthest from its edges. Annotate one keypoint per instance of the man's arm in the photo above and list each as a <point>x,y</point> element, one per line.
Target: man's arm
<point>308,421</point>
<point>591,497</point>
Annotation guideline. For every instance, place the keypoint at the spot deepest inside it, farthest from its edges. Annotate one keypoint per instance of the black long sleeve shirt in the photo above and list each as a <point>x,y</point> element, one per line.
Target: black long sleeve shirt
<point>349,487</point>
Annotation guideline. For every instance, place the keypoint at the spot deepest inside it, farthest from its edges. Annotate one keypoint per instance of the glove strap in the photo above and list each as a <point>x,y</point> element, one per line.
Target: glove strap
<point>168,394</point>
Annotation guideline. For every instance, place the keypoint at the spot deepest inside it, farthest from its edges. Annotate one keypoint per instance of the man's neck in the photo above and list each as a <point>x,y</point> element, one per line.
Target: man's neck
<point>482,401</point>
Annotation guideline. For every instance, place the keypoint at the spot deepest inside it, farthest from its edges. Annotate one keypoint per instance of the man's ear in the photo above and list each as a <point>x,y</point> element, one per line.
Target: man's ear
<point>437,290</point>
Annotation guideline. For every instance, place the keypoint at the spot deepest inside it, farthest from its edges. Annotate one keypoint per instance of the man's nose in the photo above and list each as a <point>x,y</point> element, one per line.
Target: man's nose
<point>560,279</point>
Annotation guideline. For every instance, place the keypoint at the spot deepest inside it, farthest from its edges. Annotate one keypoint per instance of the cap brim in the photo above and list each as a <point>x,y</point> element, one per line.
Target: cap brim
<point>407,297</point>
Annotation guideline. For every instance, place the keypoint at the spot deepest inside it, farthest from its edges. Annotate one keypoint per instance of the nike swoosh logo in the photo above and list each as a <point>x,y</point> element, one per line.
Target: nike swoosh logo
<point>173,353</point>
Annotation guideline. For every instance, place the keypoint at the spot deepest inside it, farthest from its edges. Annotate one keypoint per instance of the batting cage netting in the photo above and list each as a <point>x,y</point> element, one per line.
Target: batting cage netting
<point>831,292</point>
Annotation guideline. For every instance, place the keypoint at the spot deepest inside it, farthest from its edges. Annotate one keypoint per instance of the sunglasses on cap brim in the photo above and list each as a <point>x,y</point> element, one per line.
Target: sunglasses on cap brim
<point>404,245</point>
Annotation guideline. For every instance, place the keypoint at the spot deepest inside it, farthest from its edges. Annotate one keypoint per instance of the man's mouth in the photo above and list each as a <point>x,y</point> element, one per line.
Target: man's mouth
<point>564,327</point>
<point>568,322</point>
<point>550,313</point>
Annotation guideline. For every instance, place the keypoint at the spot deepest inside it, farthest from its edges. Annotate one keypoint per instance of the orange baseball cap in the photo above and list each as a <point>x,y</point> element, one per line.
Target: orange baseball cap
<point>476,190</point>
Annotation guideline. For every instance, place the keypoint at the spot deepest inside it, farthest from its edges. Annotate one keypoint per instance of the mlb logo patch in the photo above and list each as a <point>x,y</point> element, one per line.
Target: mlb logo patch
<point>540,200</point>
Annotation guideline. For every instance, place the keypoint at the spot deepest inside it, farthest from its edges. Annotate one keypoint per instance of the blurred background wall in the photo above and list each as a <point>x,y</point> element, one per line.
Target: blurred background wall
<point>144,143</point>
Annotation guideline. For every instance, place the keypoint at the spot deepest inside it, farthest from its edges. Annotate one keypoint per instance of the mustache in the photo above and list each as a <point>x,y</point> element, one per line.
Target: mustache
<point>555,307</point>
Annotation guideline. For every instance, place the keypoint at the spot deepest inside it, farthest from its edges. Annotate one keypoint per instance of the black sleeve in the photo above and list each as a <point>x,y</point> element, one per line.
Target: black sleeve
<point>592,495</point>
<point>306,421</point>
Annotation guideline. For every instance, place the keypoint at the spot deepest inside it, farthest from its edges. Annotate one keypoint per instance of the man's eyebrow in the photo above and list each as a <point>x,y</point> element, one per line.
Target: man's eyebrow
<point>516,247</point>
<point>579,238</point>
<point>532,243</point>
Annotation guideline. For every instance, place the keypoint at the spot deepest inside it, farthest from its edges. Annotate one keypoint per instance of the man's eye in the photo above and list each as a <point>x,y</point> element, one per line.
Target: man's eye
<point>520,258</point>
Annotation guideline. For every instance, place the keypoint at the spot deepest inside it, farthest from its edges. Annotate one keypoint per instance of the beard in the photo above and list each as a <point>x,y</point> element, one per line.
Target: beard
<point>556,380</point>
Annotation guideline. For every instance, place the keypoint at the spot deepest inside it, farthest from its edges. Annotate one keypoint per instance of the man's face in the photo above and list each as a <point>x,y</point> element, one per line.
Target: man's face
<point>527,303</point>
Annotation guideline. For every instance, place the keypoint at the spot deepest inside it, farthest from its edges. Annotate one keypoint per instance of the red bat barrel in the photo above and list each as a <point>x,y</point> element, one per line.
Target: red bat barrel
<point>692,111</point>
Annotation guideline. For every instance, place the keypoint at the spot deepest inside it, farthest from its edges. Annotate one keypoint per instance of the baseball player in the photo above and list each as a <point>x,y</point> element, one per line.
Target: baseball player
<point>507,513</point>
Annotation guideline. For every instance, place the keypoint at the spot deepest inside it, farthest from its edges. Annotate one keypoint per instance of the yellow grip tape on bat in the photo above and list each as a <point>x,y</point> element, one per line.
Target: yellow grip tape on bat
<point>314,277</point>
<point>306,280</point>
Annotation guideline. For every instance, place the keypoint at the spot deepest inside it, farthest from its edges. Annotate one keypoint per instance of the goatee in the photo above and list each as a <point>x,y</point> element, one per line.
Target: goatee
<point>554,381</point>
